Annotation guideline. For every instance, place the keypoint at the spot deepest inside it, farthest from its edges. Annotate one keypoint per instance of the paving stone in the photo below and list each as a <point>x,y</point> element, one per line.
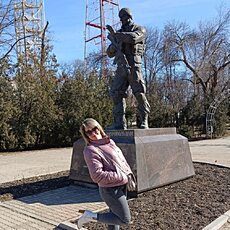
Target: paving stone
<point>49,209</point>
<point>12,220</point>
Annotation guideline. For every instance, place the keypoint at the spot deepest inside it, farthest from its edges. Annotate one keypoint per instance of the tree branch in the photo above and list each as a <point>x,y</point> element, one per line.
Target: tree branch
<point>12,46</point>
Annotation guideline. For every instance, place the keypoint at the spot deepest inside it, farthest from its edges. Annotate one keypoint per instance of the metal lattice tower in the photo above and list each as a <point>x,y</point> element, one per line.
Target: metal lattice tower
<point>29,24</point>
<point>99,13</point>
<point>210,119</point>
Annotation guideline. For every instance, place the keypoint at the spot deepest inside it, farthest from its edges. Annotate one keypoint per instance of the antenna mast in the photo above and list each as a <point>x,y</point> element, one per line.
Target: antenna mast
<point>29,24</point>
<point>99,13</point>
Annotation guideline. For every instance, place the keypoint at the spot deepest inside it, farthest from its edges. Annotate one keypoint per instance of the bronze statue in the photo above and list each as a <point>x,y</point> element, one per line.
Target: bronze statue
<point>127,46</point>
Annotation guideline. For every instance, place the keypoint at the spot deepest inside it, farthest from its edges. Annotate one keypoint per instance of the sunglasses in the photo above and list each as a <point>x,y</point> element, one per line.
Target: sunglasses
<point>90,132</point>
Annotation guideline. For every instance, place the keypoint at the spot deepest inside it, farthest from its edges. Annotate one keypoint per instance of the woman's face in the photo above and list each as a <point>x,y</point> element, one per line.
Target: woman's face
<point>93,133</point>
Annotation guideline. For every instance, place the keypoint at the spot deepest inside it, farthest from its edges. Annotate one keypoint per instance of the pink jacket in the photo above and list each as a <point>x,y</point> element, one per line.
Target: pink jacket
<point>103,172</point>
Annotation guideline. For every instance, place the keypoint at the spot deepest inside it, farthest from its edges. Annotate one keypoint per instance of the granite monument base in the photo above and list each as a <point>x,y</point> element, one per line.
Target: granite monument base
<point>157,156</point>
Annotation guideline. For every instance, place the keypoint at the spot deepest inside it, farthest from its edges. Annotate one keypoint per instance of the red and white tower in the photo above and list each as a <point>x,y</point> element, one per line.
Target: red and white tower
<point>99,13</point>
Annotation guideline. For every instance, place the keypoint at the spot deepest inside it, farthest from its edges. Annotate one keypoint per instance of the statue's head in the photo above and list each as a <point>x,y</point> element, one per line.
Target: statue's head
<point>125,16</point>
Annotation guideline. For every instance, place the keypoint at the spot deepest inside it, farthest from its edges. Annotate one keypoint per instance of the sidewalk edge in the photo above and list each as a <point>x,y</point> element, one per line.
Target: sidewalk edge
<point>219,222</point>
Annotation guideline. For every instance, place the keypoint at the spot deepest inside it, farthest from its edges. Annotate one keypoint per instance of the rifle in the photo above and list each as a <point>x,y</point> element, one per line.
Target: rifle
<point>120,58</point>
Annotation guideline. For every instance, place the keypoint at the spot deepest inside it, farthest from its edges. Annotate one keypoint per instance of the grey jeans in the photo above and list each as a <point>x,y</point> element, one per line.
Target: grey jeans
<point>116,199</point>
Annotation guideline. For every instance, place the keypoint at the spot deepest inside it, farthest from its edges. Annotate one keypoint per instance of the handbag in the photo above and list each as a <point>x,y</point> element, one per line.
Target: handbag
<point>131,185</point>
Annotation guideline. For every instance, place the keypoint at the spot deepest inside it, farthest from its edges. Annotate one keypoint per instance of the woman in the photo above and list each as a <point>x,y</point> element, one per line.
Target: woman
<point>100,153</point>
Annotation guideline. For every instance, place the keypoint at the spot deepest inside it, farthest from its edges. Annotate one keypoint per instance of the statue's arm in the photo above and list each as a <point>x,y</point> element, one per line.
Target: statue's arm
<point>112,48</point>
<point>132,37</point>
<point>111,51</point>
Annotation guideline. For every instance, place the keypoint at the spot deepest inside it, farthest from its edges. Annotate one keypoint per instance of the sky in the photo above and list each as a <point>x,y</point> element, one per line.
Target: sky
<point>67,19</point>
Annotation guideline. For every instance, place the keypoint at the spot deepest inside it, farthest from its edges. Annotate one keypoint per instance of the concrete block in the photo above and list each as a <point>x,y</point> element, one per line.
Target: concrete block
<point>157,156</point>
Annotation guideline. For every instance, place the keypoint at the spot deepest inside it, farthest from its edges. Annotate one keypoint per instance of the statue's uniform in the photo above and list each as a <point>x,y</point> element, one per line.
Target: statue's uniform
<point>131,39</point>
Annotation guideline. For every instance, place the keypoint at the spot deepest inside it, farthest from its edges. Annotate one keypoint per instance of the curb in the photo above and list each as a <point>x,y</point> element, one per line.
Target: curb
<point>219,222</point>
<point>68,226</point>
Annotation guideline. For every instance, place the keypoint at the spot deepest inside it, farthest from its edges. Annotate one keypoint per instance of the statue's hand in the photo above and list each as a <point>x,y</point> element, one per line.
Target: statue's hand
<point>110,29</point>
<point>110,37</point>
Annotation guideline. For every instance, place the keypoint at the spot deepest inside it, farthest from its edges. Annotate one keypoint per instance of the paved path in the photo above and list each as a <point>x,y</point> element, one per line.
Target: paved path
<point>50,210</point>
<point>214,151</point>
<point>19,165</point>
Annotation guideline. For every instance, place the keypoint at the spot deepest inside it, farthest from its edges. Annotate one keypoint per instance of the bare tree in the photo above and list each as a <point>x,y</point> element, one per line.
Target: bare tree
<point>7,38</point>
<point>152,57</point>
<point>206,52</point>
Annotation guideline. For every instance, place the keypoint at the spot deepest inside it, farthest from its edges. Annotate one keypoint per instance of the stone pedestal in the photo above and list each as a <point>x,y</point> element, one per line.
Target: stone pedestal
<point>157,156</point>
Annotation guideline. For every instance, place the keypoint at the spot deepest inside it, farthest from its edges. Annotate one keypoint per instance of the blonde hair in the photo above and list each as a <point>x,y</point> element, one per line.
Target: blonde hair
<point>90,122</point>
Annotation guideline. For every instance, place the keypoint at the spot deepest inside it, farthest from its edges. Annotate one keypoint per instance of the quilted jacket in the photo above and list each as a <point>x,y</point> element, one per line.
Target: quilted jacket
<point>102,170</point>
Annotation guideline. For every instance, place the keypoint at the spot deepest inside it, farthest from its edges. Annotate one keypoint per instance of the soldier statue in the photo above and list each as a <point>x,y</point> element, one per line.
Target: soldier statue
<point>127,48</point>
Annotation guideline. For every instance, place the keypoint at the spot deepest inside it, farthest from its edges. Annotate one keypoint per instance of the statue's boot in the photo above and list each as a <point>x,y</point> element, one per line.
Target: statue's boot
<point>119,123</point>
<point>144,109</point>
<point>144,121</point>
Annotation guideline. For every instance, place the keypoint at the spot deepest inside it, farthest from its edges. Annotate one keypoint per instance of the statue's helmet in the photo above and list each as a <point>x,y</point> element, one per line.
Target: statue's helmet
<point>125,12</point>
